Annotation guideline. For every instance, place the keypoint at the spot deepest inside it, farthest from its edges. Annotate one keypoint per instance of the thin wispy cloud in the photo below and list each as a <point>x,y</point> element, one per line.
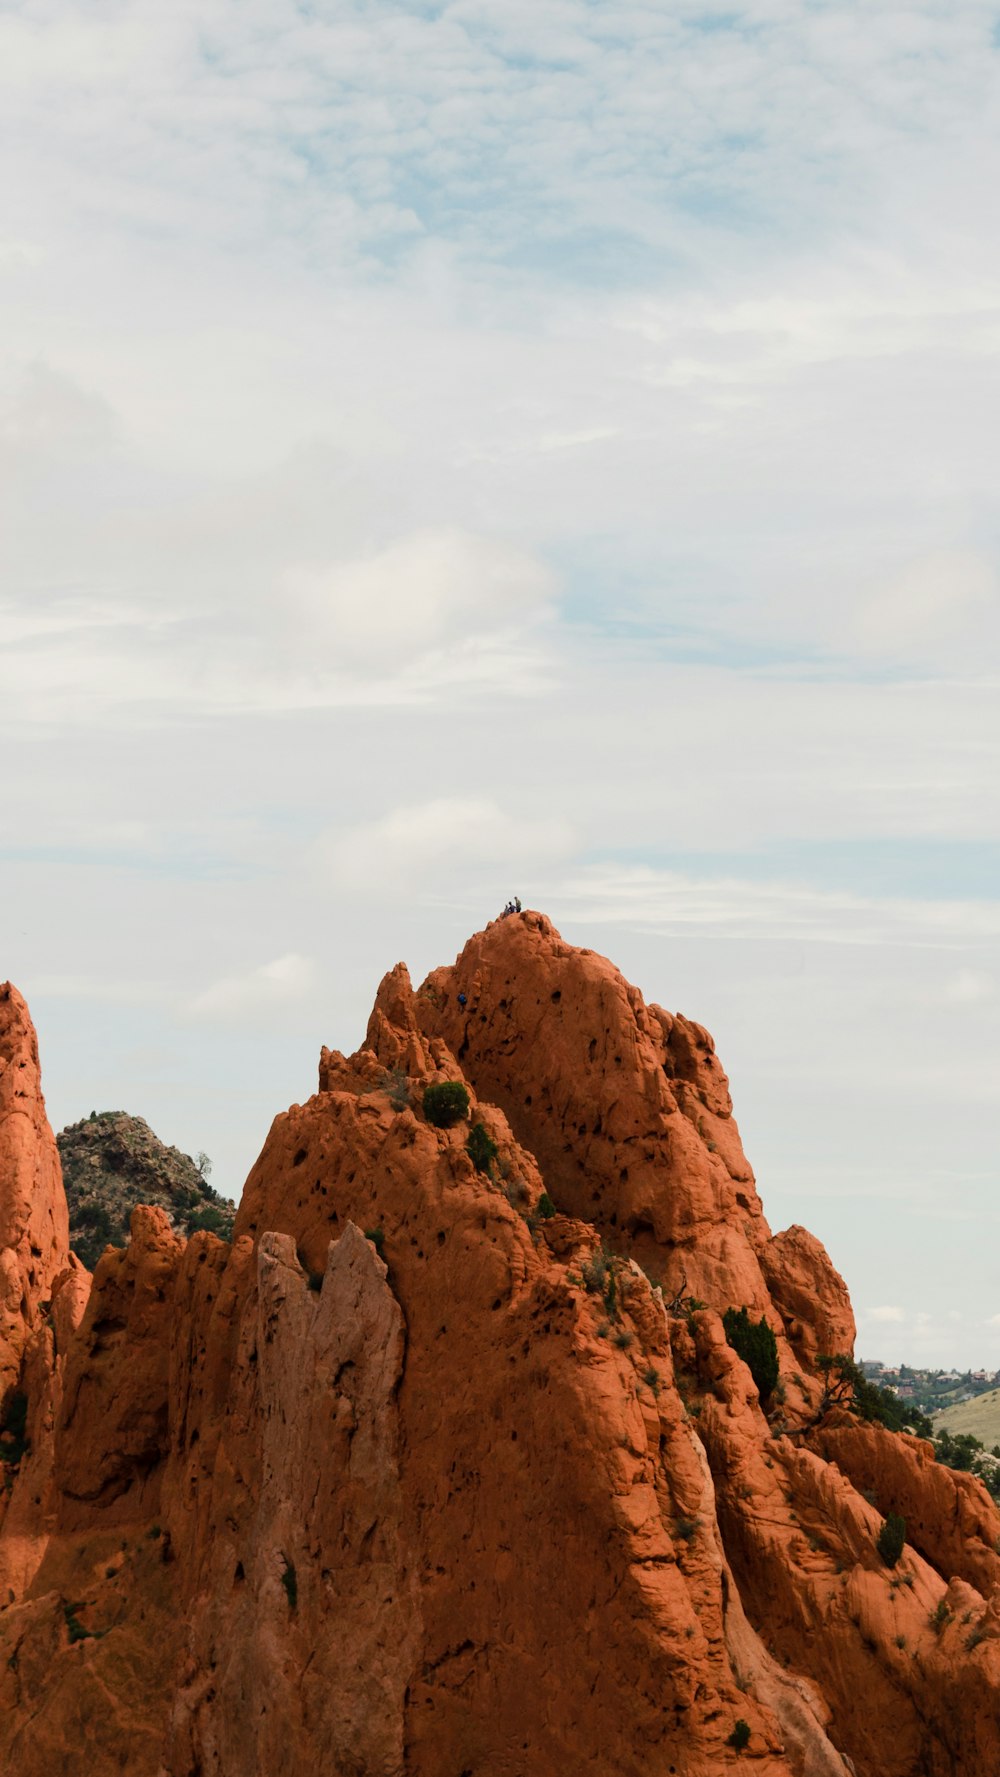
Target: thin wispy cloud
<point>545,449</point>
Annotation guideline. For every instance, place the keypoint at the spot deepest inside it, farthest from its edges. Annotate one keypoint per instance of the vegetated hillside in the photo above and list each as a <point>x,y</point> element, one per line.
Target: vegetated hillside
<point>979,1418</point>
<point>110,1163</point>
<point>504,1439</point>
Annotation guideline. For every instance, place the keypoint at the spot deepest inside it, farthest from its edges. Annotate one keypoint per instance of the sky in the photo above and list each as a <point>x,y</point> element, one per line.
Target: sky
<point>450,451</point>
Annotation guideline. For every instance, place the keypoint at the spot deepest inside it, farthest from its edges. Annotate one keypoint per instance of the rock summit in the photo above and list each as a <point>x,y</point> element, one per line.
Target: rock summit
<point>445,1465</point>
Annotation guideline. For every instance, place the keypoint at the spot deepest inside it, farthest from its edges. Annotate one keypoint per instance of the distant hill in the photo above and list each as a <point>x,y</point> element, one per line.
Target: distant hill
<point>111,1162</point>
<point>981,1417</point>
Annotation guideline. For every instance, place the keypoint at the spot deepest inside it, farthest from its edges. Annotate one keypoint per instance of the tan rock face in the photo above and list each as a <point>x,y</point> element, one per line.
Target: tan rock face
<point>809,1294</point>
<point>419,1478</point>
<point>625,1107</point>
<point>34,1225</point>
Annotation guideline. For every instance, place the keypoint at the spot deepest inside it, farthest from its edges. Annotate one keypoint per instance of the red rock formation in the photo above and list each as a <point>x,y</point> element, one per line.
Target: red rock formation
<point>34,1226</point>
<point>471,1494</point>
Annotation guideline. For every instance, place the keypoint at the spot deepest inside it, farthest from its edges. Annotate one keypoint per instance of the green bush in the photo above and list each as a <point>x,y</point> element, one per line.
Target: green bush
<point>891,1539</point>
<point>208,1219</point>
<point>446,1103</point>
<point>481,1148</point>
<point>740,1736</point>
<point>594,1273</point>
<point>14,1427</point>
<point>959,1450</point>
<point>75,1628</point>
<point>546,1207</point>
<point>757,1346</point>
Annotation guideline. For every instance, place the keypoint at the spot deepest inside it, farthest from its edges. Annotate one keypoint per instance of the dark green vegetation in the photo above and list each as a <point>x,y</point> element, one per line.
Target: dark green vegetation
<point>845,1385</point>
<point>446,1103</point>
<point>755,1343</point>
<point>13,1428</point>
<point>964,1452</point>
<point>740,1736</point>
<point>74,1627</point>
<point>891,1539</point>
<point>481,1148</point>
<point>111,1162</point>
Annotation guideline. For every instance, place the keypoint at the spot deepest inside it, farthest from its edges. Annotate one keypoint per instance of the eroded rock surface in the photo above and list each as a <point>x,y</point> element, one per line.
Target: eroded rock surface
<point>34,1225</point>
<point>111,1163</point>
<point>439,1469</point>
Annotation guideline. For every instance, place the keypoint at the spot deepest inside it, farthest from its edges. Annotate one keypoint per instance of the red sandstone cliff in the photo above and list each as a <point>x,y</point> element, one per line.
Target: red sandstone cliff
<point>445,1501</point>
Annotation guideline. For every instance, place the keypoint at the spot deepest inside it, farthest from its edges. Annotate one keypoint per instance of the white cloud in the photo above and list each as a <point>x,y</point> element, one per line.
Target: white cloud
<point>256,993</point>
<point>424,591</point>
<point>969,987</point>
<point>340,339</point>
<point>887,1316</point>
<point>669,900</point>
<point>443,844</point>
<point>940,601</point>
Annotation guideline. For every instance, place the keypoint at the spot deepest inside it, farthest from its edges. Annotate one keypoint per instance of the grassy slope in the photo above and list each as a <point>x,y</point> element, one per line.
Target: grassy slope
<point>981,1417</point>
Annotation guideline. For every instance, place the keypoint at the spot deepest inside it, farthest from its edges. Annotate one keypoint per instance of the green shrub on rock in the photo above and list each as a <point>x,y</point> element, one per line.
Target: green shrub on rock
<point>891,1539</point>
<point>740,1736</point>
<point>446,1103</point>
<point>757,1346</point>
<point>481,1148</point>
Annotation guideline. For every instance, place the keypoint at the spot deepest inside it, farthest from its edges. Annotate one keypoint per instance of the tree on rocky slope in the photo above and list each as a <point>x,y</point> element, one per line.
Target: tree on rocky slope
<point>111,1162</point>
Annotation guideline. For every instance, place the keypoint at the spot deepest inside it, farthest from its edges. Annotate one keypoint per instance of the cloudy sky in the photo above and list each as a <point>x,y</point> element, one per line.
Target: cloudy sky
<point>450,450</point>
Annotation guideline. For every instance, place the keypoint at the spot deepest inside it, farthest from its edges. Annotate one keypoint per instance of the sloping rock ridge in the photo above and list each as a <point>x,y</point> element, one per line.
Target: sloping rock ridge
<point>445,1466</point>
<point>111,1162</point>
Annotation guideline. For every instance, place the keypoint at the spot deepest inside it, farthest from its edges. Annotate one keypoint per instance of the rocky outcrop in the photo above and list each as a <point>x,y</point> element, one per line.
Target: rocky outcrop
<point>34,1229</point>
<point>265,1685</point>
<point>445,1465</point>
<point>111,1163</point>
<point>625,1106</point>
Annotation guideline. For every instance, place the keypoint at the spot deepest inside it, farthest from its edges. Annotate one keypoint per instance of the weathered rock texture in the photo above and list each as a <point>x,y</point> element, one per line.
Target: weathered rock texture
<point>111,1163</point>
<point>423,1474</point>
<point>34,1226</point>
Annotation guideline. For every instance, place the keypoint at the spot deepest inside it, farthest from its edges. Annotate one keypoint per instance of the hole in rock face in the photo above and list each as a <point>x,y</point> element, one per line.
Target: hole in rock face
<point>238,1575</point>
<point>743,1201</point>
<point>557,996</point>
<point>303,1154</point>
